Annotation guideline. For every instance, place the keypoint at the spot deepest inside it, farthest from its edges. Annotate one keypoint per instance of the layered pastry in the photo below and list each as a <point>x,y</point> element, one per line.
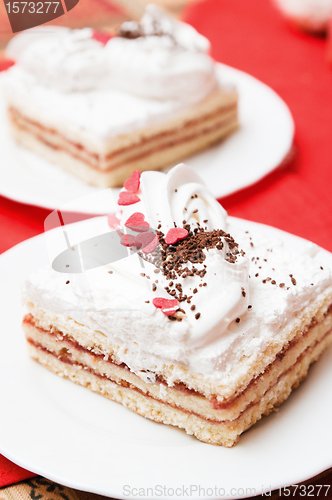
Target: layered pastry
<point>102,106</point>
<point>203,324</point>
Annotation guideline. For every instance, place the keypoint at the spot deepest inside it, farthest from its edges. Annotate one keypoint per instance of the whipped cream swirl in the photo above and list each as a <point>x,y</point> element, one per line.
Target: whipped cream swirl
<point>166,59</point>
<point>69,60</point>
<point>220,292</point>
<point>169,199</point>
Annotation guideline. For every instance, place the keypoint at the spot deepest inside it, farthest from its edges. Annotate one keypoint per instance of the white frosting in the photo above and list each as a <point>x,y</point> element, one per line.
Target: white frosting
<point>115,304</point>
<point>172,65</point>
<point>156,22</point>
<point>67,60</point>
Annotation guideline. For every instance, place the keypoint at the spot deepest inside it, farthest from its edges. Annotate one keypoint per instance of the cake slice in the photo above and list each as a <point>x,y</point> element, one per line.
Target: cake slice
<point>102,106</point>
<point>204,325</point>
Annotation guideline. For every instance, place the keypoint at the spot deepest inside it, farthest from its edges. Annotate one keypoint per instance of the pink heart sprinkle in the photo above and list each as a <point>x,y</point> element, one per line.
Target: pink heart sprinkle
<point>126,198</point>
<point>101,37</point>
<point>132,184</point>
<point>6,63</point>
<point>137,223</point>
<point>127,240</point>
<point>168,306</point>
<point>175,234</point>
<point>113,221</point>
<point>147,242</point>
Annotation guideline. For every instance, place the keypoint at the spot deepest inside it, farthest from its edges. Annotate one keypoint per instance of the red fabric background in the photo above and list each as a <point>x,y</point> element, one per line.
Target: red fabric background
<point>11,473</point>
<point>252,36</point>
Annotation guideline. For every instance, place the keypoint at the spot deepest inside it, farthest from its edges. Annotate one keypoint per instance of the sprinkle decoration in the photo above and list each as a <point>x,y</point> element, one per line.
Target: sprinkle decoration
<point>167,306</point>
<point>126,198</point>
<point>127,240</point>
<point>113,221</point>
<point>101,37</point>
<point>147,242</point>
<point>137,223</point>
<point>6,63</point>
<point>132,184</point>
<point>175,234</point>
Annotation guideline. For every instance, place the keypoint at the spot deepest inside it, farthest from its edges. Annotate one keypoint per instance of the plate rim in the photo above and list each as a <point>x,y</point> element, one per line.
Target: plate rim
<point>315,470</point>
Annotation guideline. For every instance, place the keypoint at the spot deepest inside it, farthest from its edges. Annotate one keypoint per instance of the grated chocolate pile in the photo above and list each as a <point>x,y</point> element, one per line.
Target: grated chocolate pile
<point>171,260</point>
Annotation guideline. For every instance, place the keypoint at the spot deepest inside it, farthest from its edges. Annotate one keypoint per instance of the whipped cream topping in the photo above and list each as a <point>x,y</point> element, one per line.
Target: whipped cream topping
<point>161,58</point>
<point>168,60</point>
<point>244,301</point>
<point>180,198</point>
<point>168,199</point>
<point>155,23</point>
<point>68,60</point>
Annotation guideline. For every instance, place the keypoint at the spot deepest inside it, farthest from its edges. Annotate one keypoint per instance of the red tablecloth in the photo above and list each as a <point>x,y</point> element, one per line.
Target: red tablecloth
<point>11,473</point>
<point>252,36</point>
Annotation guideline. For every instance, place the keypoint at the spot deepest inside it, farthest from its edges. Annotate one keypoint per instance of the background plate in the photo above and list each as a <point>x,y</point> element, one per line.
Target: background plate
<point>263,140</point>
<point>80,439</point>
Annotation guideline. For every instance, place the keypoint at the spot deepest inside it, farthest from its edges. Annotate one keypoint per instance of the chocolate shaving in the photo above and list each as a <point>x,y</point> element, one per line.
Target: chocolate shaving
<point>133,29</point>
<point>172,260</point>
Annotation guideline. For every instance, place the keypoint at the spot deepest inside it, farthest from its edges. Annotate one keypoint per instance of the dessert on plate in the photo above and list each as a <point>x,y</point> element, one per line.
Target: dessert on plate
<point>101,106</point>
<point>205,324</point>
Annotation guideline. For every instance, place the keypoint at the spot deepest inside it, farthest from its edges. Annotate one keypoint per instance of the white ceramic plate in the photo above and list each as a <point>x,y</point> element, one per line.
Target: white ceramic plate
<point>259,146</point>
<point>80,439</point>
